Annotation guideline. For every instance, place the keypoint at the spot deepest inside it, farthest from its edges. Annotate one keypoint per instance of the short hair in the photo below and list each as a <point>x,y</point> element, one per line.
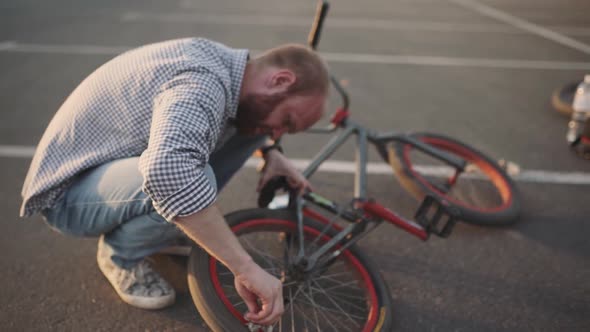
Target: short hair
<point>310,69</point>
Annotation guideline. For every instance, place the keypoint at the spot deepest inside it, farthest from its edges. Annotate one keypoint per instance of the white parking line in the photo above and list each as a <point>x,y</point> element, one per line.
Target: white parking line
<point>335,23</point>
<point>454,62</point>
<point>16,151</point>
<point>7,45</point>
<point>348,167</point>
<point>534,176</point>
<point>196,4</point>
<point>11,46</point>
<point>524,25</point>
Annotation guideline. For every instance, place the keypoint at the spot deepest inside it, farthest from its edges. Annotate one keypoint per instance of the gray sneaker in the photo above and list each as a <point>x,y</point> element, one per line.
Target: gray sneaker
<point>139,286</point>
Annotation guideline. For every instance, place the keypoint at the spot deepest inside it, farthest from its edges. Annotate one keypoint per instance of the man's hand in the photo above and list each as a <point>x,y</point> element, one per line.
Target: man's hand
<point>254,284</point>
<point>278,165</point>
<point>208,228</point>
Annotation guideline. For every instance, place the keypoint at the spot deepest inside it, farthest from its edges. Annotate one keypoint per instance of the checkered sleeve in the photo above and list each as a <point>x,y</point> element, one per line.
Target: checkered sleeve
<point>183,133</point>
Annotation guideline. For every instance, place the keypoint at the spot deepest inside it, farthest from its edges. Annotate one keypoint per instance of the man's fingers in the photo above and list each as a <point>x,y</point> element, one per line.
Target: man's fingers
<point>275,310</point>
<point>258,285</point>
<point>250,299</point>
<point>306,185</point>
<point>252,306</point>
<point>261,317</point>
<point>296,181</point>
<point>261,182</point>
<point>278,311</point>
<point>299,183</point>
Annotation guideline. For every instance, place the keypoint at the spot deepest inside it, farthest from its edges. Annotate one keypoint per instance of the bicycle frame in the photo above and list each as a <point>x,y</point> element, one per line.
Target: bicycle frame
<point>365,211</point>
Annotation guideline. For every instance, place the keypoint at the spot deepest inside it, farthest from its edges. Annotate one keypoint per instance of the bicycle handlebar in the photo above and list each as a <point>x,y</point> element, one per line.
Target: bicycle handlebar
<point>314,34</point>
<point>313,40</point>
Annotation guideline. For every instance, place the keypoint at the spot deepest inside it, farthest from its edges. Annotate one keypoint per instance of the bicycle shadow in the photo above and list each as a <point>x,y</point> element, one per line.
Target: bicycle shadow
<point>556,218</point>
<point>446,291</point>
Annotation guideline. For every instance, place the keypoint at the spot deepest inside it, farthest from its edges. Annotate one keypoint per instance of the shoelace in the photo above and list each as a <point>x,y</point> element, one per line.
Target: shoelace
<point>136,275</point>
<point>142,270</point>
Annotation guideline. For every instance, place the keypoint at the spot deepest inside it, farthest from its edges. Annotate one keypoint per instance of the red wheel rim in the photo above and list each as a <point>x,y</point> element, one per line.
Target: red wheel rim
<point>366,278</point>
<point>499,182</point>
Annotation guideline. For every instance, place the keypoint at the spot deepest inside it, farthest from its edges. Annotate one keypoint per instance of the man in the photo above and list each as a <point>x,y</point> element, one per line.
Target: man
<point>139,150</point>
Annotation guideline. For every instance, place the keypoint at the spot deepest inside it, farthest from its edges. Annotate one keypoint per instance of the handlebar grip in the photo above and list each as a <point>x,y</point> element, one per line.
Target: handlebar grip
<point>314,34</point>
<point>267,193</point>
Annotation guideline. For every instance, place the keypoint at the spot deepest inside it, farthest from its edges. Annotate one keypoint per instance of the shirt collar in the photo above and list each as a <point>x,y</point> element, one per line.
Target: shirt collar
<point>238,67</point>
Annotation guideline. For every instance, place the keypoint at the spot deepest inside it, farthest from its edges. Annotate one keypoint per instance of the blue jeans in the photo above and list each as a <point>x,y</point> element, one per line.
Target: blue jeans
<point>108,200</point>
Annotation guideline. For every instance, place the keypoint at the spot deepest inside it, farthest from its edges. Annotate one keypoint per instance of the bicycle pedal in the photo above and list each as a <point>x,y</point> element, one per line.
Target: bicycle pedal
<point>436,216</point>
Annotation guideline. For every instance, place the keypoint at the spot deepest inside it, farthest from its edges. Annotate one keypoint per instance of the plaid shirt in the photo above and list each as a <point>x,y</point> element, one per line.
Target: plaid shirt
<point>167,103</point>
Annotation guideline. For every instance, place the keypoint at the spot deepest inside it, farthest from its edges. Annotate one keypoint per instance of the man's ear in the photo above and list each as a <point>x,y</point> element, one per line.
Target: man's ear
<point>281,80</point>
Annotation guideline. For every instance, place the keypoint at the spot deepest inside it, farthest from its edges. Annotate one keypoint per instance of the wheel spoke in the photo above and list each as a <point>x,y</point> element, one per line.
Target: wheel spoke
<point>270,260</point>
<point>351,304</point>
<point>341,285</point>
<point>292,311</point>
<point>352,297</point>
<point>335,311</point>
<point>315,306</point>
<point>327,319</point>
<point>315,311</point>
<point>334,300</point>
<point>331,276</point>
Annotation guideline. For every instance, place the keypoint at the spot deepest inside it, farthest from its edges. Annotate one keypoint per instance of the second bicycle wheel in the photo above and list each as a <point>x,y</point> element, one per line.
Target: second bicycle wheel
<point>349,295</point>
<point>563,98</point>
<point>483,194</point>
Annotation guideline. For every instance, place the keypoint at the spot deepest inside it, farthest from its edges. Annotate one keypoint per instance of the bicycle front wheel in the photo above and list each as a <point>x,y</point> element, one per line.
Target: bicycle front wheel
<point>483,194</point>
<point>349,295</point>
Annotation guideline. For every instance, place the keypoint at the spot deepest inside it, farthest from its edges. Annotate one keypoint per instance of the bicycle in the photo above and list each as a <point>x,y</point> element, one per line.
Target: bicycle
<point>329,283</point>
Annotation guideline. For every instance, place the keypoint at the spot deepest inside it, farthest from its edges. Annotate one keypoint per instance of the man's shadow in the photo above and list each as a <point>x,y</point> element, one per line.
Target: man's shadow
<point>174,269</point>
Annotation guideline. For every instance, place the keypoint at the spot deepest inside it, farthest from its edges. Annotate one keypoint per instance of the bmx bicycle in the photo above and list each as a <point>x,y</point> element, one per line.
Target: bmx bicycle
<point>329,284</point>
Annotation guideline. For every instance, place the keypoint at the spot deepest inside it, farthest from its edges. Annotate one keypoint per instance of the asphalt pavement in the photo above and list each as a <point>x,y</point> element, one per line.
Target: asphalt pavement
<point>478,70</point>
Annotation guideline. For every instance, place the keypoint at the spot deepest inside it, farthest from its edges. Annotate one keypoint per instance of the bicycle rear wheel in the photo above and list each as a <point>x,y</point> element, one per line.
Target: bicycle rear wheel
<point>349,296</point>
<point>483,194</point>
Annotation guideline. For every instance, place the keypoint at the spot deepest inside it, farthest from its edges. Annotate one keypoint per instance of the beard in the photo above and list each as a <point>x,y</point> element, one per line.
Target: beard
<point>254,109</point>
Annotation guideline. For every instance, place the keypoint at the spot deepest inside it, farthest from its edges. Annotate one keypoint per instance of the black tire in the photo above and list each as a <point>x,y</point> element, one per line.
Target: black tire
<point>563,98</point>
<point>491,199</point>
<point>204,272</point>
